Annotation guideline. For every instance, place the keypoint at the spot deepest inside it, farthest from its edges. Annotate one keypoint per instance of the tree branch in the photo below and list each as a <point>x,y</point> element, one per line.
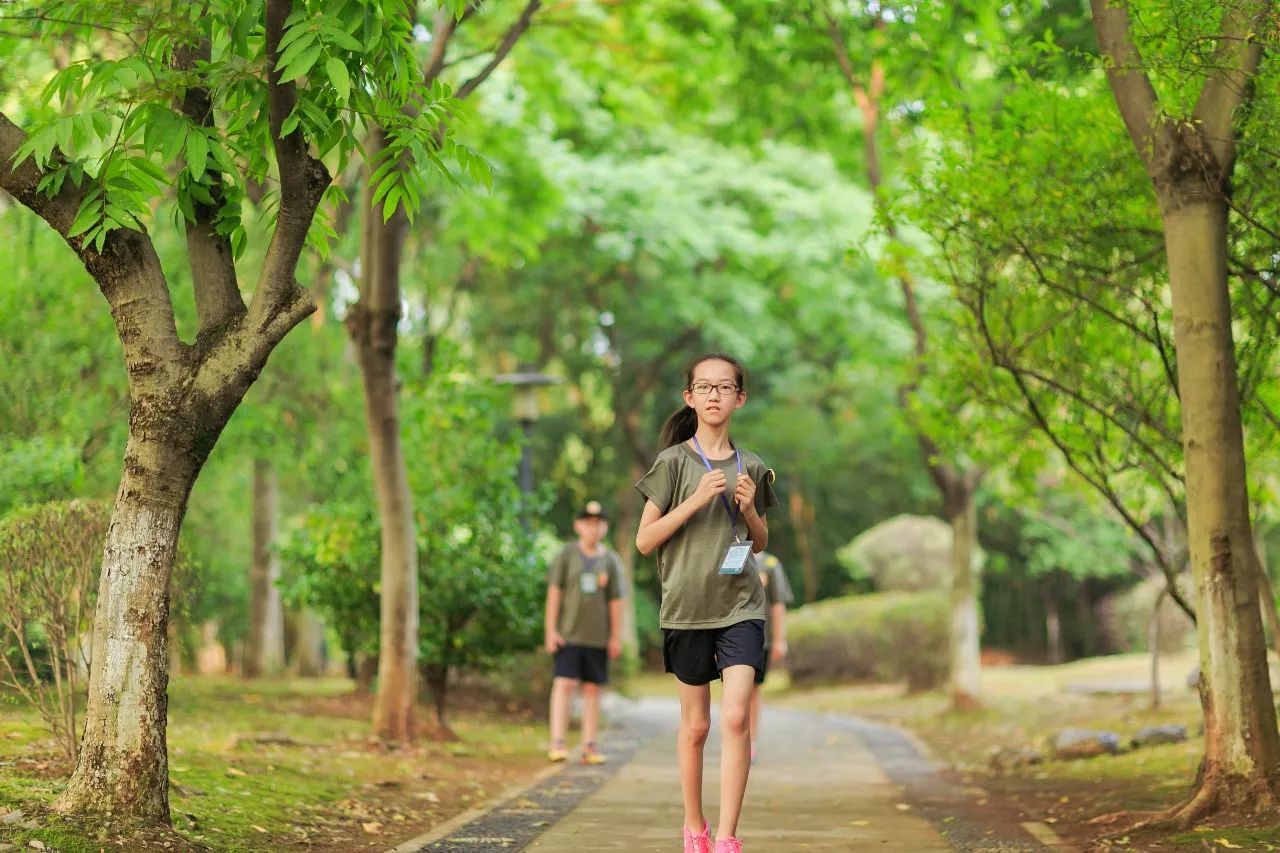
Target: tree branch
<point>127,270</point>
<point>442,30</point>
<point>1236,61</point>
<point>213,269</point>
<point>1098,482</point>
<point>230,363</point>
<point>1134,94</point>
<point>278,301</point>
<point>513,34</point>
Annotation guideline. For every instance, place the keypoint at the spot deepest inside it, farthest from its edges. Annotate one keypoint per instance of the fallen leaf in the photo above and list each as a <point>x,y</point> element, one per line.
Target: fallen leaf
<point>902,807</point>
<point>1227,844</point>
<point>254,826</point>
<point>236,771</point>
<point>36,843</point>
<point>372,827</point>
<point>859,823</point>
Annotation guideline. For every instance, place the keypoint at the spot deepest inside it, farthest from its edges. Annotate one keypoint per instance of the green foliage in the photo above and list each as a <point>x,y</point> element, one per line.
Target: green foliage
<point>481,573</point>
<point>110,121</point>
<point>885,636</point>
<point>330,563</point>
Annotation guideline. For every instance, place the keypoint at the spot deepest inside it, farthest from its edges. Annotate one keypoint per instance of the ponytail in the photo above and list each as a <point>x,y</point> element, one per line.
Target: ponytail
<point>683,423</point>
<point>679,428</point>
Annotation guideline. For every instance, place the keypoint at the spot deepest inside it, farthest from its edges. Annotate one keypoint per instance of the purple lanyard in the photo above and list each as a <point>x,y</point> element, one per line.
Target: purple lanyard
<point>731,510</point>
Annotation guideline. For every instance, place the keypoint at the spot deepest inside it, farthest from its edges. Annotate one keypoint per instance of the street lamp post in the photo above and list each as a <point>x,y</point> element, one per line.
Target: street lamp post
<point>526,382</point>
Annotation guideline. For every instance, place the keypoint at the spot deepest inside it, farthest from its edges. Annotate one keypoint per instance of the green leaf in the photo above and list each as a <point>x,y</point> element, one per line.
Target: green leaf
<point>295,49</point>
<point>197,152</point>
<point>339,77</point>
<point>303,64</point>
<point>391,201</point>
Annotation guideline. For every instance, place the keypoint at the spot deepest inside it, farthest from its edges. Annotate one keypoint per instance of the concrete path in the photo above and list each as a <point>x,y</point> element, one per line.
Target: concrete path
<point>823,784</point>
<point>815,788</point>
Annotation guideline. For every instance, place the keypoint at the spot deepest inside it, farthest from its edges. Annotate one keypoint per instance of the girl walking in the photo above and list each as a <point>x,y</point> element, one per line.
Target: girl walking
<point>704,515</point>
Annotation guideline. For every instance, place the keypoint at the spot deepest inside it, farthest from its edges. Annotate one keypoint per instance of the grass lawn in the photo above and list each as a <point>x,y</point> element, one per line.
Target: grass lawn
<point>277,765</point>
<point>1024,707</point>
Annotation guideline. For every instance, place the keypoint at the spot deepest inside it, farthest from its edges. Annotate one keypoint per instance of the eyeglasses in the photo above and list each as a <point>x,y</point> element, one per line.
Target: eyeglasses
<point>704,389</point>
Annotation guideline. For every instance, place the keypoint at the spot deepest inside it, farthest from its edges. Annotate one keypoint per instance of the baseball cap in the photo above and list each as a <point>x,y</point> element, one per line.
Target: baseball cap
<point>593,509</point>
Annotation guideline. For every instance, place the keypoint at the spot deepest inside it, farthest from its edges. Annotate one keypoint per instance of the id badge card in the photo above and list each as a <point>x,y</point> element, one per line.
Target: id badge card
<point>736,558</point>
<point>590,583</point>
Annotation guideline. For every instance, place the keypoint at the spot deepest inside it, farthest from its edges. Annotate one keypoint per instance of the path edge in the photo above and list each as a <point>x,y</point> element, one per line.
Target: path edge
<point>458,821</point>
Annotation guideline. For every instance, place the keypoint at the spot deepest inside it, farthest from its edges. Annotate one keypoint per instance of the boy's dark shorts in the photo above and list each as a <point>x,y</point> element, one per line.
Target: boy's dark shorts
<point>698,656</point>
<point>582,663</point>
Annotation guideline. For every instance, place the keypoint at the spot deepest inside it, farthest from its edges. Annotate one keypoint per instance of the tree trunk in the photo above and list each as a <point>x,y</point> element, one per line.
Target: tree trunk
<point>366,671</point>
<point>802,521</point>
<point>123,767</point>
<point>308,644</point>
<point>1241,743</point>
<point>1052,623</point>
<point>966,653</point>
<point>1267,593</point>
<point>437,678</point>
<point>625,543</point>
<point>372,322</point>
<point>1153,641</point>
<point>264,645</point>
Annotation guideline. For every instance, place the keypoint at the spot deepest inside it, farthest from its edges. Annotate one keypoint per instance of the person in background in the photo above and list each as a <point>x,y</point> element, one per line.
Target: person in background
<point>583,629</point>
<point>778,594</point>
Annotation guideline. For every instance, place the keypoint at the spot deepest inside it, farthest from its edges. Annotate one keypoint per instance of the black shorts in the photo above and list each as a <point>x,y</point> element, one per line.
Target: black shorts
<point>764,667</point>
<point>582,663</point>
<point>698,656</point>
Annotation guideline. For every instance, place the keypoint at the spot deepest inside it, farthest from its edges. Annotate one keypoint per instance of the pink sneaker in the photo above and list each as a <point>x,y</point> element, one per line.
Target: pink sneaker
<point>700,843</point>
<point>729,845</point>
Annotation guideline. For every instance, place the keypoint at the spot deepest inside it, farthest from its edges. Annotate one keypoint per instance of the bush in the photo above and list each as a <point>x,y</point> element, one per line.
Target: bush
<point>50,560</point>
<point>884,636</point>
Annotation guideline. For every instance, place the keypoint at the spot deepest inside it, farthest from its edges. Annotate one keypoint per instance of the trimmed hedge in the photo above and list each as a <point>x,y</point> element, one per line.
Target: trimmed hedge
<point>883,636</point>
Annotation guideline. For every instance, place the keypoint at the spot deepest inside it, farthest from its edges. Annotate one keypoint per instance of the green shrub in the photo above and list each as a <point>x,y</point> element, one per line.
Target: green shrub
<point>884,636</point>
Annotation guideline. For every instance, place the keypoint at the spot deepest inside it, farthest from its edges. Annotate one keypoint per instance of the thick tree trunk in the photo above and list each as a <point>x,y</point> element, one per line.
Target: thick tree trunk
<point>1242,748</point>
<point>308,644</point>
<point>966,654</point>
<point>123,766</point>
<point>264,645</point>
<point>372,322</point>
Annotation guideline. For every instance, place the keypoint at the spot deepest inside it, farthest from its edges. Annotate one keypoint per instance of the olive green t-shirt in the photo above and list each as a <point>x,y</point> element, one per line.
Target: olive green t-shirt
<point>694,594</point>
<point>776,589</point>
<point>587,585</point>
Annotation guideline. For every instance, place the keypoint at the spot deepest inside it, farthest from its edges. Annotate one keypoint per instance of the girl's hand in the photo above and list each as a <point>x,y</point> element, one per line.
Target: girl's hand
<point>745,494</point>
<point>713,483</point>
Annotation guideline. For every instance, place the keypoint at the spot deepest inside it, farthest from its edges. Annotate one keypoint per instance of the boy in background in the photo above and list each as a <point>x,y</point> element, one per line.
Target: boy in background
<point>583,629</point>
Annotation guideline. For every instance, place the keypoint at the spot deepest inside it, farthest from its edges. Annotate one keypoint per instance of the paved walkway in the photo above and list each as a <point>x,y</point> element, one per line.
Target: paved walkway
<point>815,789</point>
<point>823,784</point>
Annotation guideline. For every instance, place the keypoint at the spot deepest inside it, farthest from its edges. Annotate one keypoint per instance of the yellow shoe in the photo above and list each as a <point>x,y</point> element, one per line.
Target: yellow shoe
<point>593,758</point>
<point>555,756</point>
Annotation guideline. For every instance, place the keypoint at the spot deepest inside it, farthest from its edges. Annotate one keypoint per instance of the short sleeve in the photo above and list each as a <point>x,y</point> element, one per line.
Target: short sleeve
<point>659,484</point>
<point>766,497</point>
<point>617,587</point>
<point>556,571</point>
<point>782,589</point>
